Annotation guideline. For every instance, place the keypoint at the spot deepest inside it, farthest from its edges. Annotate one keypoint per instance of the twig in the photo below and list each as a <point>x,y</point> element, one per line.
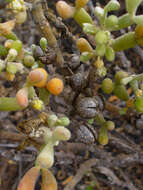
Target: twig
<point>46,30</point>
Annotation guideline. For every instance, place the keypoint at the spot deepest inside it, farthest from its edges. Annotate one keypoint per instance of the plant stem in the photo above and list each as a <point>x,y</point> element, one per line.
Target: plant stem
<point>46,29</point>
<point>9,104</point>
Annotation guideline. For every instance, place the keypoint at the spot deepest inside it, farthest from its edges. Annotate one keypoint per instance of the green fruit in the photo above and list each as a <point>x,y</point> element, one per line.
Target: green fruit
<point>103,136</point>
<point>63,121</point>
<point>107,86</point>
<point>28,61</point>
<point>121,92</point>
<point>120,75</point>
<point>139,104</point>
<point>43,43</point>
<point>110,125</point>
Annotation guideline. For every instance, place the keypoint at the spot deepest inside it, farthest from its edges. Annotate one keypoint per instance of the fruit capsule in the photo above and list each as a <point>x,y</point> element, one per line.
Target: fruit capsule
<point>22,97</point>
<point>38,77</point>
<point>55,86</point>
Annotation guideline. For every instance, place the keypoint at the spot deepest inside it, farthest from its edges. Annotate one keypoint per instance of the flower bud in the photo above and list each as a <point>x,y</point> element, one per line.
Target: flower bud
<point>80,3</point>
<point>102,71</point>
<point>107,86</point>
<point>8,44</point>
<point>12,55</point>
<point>43,43</point>
<point>61,133</point>
<point>37,104</point>
<point>52,119</point>
<point>28,61</point>
<point>22,97</point>
<point>55,86</point>
<point>98,63</point>
<point>38,77</point>
<point>83,45</point>
<point>109,53</point>
<point>64,10</point>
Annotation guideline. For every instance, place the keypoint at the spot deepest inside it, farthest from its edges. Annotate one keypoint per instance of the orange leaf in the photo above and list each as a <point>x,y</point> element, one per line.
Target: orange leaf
<point>48,180</point>
<point>7,27</point>
<point>29,179</point>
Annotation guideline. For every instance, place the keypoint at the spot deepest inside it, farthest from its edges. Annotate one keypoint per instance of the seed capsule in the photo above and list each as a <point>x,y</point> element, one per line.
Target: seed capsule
<point>78,81</point>
<point>87,107</point>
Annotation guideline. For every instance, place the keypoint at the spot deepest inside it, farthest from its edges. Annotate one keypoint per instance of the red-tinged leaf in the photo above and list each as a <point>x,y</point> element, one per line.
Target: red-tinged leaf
<point>29,179</point>
<point>48,180</point>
